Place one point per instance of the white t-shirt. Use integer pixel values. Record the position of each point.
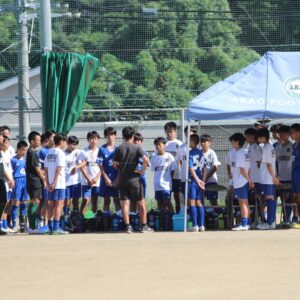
(71, 162)
(229, 162)
(92, 167)
(284, 155)
(162, 166)
(182, 157)
(211, 160)
(56, 158)
(173, 147)
(255, 155)
(268, 156)
(12, 151)
(240, 159)
(6, 158)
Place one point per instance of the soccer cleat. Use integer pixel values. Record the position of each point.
(295, 226)
(128, 229)
(40, 230)
(265, 226)
(201, 228)
(146, 229)
(59, 231)
(194, 229)
(241, 228)
(12, 230)
(3, 231)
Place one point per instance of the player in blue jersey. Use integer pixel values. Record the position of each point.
(295, 134)
(19, 195)
(196, 184)
(108, 172)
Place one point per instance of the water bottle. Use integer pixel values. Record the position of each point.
(115, 223)
(157, 225)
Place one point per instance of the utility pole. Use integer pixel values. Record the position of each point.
(45, 25)
(23, 74)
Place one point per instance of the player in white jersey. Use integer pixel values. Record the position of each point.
(163, 165)
(284, 157)
(7, 132)
(268, 178)
(240, 165)
(172, 147)
(55, 163)
(255, 155)
(211, 167)
(73, 186)
(90, 172)
(9, 182)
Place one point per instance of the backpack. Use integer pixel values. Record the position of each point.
(77, 222)
(103, 221)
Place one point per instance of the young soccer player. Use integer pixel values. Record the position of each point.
(172, 147)
(9, 183)
(295, 134)
(90, 172)
(2, 184)
(55, 163)
(108, 172)
(284, 155)
(211, 167)
(268, 178)
(7, 132)
(19, 193)
(35, 181)
(196, 185)
(72, 172)
(163, 165)
(241, 178)
(255, 155)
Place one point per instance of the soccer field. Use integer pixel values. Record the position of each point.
(210, 265)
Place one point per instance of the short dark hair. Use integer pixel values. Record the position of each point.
(21, 144)
(59, 137)
(170, 125)
(32, 135)
(72, 139)
(92, 134)
(48, 134)
(263, 132)
(275, 127)
(127, 133)
(205, 138)
(138, 137)
(195, 138)
(296, 127)
(284, 129)
(43, 138)
(109, 131)
(159, 140)
(251, 131)
(5, 127)
(238, 137)
(193, 129)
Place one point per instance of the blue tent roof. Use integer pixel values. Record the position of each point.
(268, 88)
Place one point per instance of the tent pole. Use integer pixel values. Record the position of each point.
(187, 175)
(182, 113)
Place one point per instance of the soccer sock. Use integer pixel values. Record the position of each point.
(244, 221)
(66, 211)
(200, 216)
(32, 214)
(271, 211)
(14, 215)
(50, 225)
(55, 224)
(23, 211)
(298, 210)
(193, 212)
(4, 224)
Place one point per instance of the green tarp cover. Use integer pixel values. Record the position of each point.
(65, 81)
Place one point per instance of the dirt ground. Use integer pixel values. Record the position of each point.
(210, 265)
